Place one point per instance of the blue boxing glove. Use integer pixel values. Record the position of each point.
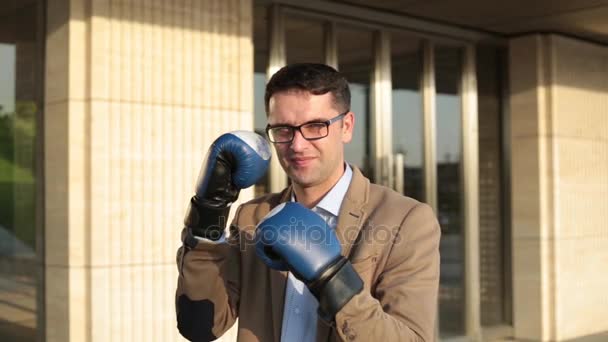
(293, 237)
(235, 161)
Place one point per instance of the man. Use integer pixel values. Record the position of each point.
(390, 241)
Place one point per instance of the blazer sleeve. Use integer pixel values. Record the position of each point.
(404, 304)
(208, 285)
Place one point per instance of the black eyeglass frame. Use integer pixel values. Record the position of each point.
(299, 128)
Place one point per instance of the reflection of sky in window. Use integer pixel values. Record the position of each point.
(355, 151)
(407, 126)
(448, 128)
(259, 112)
(7, 77)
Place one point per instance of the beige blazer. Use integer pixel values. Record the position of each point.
(391, 240)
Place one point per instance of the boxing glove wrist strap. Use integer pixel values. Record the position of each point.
(337, 290)
(205, 221)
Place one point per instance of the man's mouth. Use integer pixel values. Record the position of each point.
(301, 161)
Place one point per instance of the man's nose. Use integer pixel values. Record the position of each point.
(298, 143)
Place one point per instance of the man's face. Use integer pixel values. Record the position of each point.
(310, 163)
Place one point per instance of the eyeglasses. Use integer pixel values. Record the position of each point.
(310, 130)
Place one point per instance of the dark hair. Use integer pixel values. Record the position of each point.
(318, 79)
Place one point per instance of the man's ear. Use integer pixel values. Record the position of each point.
(348, 125)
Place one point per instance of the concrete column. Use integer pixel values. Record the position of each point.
(135, 93)
(559, 143)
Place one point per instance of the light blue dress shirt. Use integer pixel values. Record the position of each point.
(300, 308)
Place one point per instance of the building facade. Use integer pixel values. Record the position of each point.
(495, 115)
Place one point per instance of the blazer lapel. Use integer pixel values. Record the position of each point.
(278, 281)
(352, 212)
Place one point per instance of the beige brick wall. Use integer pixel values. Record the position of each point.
(559, 110)
(135, 92)
(580, 107)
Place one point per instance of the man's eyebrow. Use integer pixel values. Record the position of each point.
(316, 120)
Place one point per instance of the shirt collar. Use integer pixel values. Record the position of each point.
(332, 201)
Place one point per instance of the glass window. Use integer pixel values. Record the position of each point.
(492, 235)
(448, 72)
(408, 129)
(355, 57)
(20, 99)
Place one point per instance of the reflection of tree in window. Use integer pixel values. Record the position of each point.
(21, 61)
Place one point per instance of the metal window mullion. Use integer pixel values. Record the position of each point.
(330, 38)
(40, 246)
(470, 181)
(381, 110)
(427, 86)
(429, 122)
(276, 60)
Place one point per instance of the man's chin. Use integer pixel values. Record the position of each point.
(302, 177)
